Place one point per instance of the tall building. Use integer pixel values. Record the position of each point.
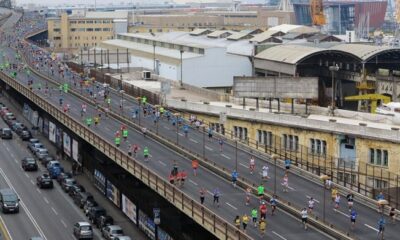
(84, 30)
(342, 15)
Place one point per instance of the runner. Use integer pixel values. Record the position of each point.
(252, 165)
(125, 134)
(334, 192)
(221, 143)
(304, 216)
(381, 227)
(210, 133)
(144, 131)
(129, 151)
(234, 177)
(262, 226)
(379, 198)
(260, 191)
(117, 141)
(202, 195)
(186, 130)
(236, 221)
(311, 204)
(146, 153)
(254, 215)
(263, 210)
(287, 164)
(350, 201)
(135, 149)
(216, 195)
(392, 215)
(337, 202)
(96, 121)
(353, 217)
(273, 201)
(88, 121)
(248, 195)
(285, 183)
(265, 172)
(245, 221)
(195, 165)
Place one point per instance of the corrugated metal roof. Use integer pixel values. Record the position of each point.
(239, 35)
(262, 37)
(218, 33)
(290, 54)
(362, 51)
(171, 53)
(115, 14)
(290, 28)
(199, 31)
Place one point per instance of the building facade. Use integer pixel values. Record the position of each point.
(84, 31)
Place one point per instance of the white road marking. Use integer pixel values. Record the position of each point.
(208, 148)
(45, 199)
(314, 199)
(292, 188)
(28, 213)
(26, 175)
(344, 214)
(244, 165)
(38, 190)
(12, 155)
(227, 157)
(63, 223)
(55, 212)
(192, 140)
(32, 182)
(368, 226)
(210, 193)
(7, 149)
(5, 226)
(278, 235)
(162, 163)
(230, 205)
(181, 134)
(15, 160)
(194, 183)
(166, 127)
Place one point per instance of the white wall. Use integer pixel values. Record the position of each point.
(166, 70)
(215, 69)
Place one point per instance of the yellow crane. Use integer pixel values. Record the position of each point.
(371, 101)
(317, 12)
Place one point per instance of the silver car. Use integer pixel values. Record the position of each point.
(112, 231)
(42, 153)
(83, 230)
(123, 238)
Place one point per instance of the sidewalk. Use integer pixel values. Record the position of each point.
(119, 217)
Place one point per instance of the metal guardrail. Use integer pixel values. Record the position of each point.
(202, 215)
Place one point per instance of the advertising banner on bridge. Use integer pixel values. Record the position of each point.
(113, 194)
(67, 144)
(52, 132)
(99, 181)
(46, 127)
(59, 138)
(147, 225)
(75, 150)
(129, 208)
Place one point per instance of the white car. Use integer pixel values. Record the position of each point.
(112, 231)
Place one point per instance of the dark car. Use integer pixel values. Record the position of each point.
(81, 198)
(44, 181)
(6, 133)
(46, 160)
(5, 114)
(35, 146)
(9, 200)
(88, 205)
(103, 221)
(17, 127)
(67, 183)
(96, 212)
(25, 135)
(10, 119)
(75, 189)
(29, 164)
(62, 176)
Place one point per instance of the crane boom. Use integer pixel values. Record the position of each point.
(317, 12)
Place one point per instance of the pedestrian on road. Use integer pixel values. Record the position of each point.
(117, 141)
(129, 151)
(195, 166)
(260, 191)
(221, 144)
(237, 222)
(202, 195)
(88, 121)
(263, 209)
(273, 201)
(234, 177)
(311, 203)
(380, 197)
(381, 227)
(135, 148)
(254, 216)
(337, 202)
(210, 133)
(353, 217)
(252, 165)
(146, 153)
(350, 201)
(334, 192)
(216, 195)
(265, 172)
(287, 164)
(96, 121)
(392, 215)
(245, 221)
(144, 131)
(304, 216)
(285, 183)
(262, 226)
(248, 195)
(125, 134)
(186, 130)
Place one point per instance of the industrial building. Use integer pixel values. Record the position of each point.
(344, 15)
(84, 29)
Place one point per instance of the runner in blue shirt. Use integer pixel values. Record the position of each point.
(353, 217)
(186, 130)
(273, 201)
(234, 177)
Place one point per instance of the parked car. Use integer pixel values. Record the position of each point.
(42, 153)
(25, 135)
(54, 163)
(88, 205)
(6, 114)
(67, 183)
(103, 221)
(75, 189)
(17, 126)
(81, 198)
(44, 181)
(83, 230)
(63, 175)
(46, 160)
(34, 146)
(6, 133)
(10, 119)
(36, 238)
(96, 212)
(29, 164)
(122, 238)
(9, 201)
(112, 231)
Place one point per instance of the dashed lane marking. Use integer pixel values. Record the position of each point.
(230, 205)
(32, 182)
(26, 175)
(181, 134)
(194, 183)
(227, 157)
(344, 214)
(243, 165)
(208, 148)
(38, 190)
(63, 223)
(192, 140)
(278, 235)
(45, 199)
(370, 227)
(55, 212)
(162, 163)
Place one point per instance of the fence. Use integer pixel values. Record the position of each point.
(202, 215)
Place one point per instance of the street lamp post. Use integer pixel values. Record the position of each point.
(236, 155)
(333, 69)
(323, 178)
(204, 140)
(181, 82)
(122, 102)
(274, 156)
(154, 57)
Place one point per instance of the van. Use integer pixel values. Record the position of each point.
(9, 201)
